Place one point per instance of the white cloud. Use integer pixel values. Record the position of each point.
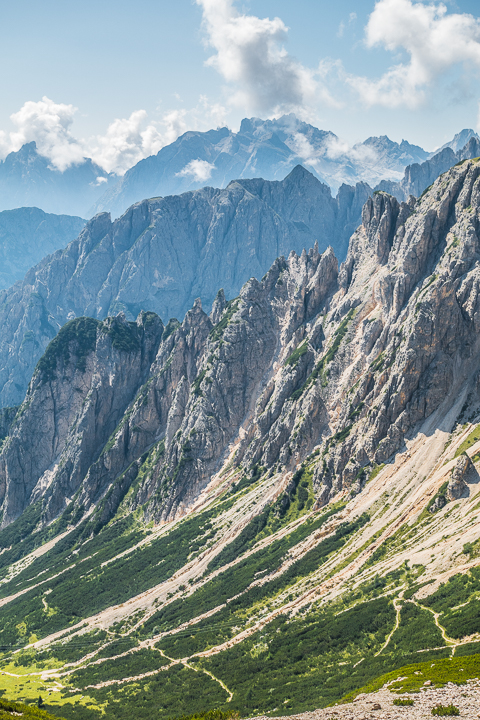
(48, 124)
(126, 141)
(200, 170)
(251, 57)
(434, 40)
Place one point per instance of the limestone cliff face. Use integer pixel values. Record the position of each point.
(163, 253)
(340, 365)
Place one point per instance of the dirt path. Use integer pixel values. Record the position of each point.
(397, 604)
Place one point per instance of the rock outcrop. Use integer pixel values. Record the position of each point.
(456, 484)
(81, 388)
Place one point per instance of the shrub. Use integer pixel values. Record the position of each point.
(445, 710)
(297, 354)
(403, 702)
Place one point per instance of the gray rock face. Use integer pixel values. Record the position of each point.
(27, 235)
(27, 179)
(337, 365)
(457, 485)
(262, 148)
(164, 253)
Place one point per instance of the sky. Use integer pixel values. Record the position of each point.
(118, 80)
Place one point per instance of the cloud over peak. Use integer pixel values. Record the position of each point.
(125, 142)
(48, 124)
(199, 170)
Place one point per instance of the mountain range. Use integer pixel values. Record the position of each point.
(29, 235)
(269, 149)
(418, 177)
(261, 148)
(265, 508)
(164, 253)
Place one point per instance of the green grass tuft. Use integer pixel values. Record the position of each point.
(13, 710)
(445, 710)
(470, 440)
(411, 678)
(297, 354)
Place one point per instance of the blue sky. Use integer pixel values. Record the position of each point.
(405, 68)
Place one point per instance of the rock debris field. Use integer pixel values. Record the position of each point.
(379, 705)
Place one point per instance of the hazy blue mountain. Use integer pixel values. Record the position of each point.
(27, 179)
(269, 149)
(459, 141)
(262, 148)
(164, 253)
(27, 235)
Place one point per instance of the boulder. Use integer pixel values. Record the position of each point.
(456, 484)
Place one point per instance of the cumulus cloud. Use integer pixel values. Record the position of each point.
(126, 141)
(250, 56)
(434, 40)
(48, 124)
(200, 170)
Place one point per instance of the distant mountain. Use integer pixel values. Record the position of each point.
(459, 141)
(164, 253)
(27, 179)
(262, 148)
(27, 235)
(391, 155)
(269, 149)
(418, 178)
